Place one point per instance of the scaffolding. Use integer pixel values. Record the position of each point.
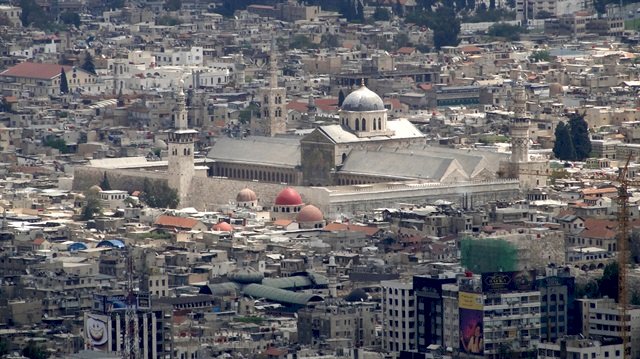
(488, 255)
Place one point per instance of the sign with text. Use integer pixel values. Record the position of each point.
(501, 282)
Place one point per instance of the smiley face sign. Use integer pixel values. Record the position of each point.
(96, 330)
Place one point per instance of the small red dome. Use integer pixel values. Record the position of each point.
(288, 197)
(309, 213)
(223, 227)
(246, 195)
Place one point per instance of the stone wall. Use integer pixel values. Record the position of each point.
(126, 180)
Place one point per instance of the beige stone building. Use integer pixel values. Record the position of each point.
(44, 79)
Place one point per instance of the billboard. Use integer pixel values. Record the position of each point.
(97, 332)
(501, 282)
(471, 329)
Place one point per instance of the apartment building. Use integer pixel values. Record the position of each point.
(399, 317)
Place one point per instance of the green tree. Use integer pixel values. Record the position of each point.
(158, 194)
(104, 184)
(635, 298)
(167, 20)
(506, 31)
(446, 27)
(539, 56)
(56, 142)
(340, 98)
(580, 136)
(301, 42)
(608, 283)
(563, 148)
(329, 40)
(173, 5)
(401, 40)
(245, 114)
(398, 9)
(32, 14)
(5, 346)
(381, 14)
(33, 351)
(88, 64)
(64, 84)
(70, 18)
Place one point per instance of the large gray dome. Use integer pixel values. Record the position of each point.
(362, 99)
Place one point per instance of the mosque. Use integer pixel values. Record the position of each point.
(365, 161)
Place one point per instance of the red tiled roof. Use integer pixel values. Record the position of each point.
(406, 50)
(297, 106)
(327, 104)
(38, 241)
(283, 222)
(470, 49)
(176, 222)
(34, 70)
(273, 351)
(593, 191)
(599, 228)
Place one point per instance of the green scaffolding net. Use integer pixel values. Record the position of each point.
(488, 255)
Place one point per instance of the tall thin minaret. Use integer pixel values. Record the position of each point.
(272, 119)
(520, 126)
(181, 148)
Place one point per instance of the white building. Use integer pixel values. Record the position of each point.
(113, 198)
(580, 348)
(531, 9)
(399, 319)
(13, 13)
(601, 317)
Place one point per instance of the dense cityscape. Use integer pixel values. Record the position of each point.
(358, 179)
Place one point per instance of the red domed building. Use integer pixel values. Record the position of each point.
(247, 199)
(310, 217)
(287, 205)
(222, 227)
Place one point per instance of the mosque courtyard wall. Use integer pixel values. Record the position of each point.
(209, 193)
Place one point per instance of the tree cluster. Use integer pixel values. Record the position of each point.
(56, 142)
(158, 194)
(506, 31)
(540, 55)
(443, 22)
(607, 285)
(88, 64)
(572, 139)
(352, 10)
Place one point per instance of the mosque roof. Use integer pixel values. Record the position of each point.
(280, 295)
(309, 213)
(362, 100)
(246, 195)
(401, 129)
(288, 197)
(267, 151)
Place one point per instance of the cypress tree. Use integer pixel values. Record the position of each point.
(104, 184)
(340, 98)
(87, 64)
(64, 84)
(580, 136)
(563, 148)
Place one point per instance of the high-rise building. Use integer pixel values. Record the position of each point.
(181, 149)
(343, 324)
(601, 317)
(498, 313)
(106, 328)
(399, 316)
(557, 306)
(429, 310)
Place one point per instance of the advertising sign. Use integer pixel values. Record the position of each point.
(471, 329)
(96, 329)
(501, 282)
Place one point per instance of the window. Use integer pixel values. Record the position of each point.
(364, 124)
(357, 125)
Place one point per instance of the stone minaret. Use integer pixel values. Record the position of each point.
(519, 126)
(181, 148)
(272, 119)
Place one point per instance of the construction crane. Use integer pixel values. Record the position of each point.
(623, 251)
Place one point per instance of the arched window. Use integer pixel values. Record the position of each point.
(357, 124)
(375, 127)
(185, 151)
(364, 124)
(379, 123)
